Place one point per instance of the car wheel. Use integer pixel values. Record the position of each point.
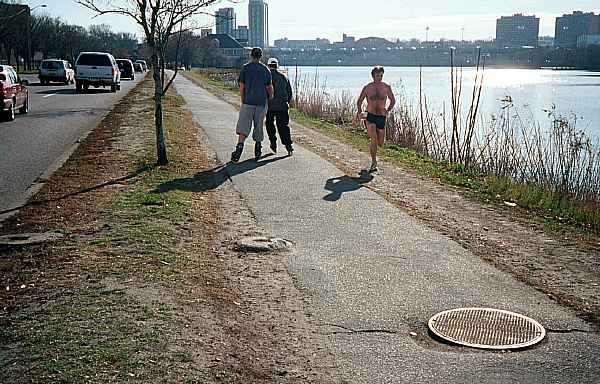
(118, 87)
(10, 115)
(86, 87)
(78, 87)
(113, 88)
(25, 108)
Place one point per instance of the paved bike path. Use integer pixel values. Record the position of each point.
(365, 265)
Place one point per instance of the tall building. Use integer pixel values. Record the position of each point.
(569, 27)
(517, 31)
(258, 16)
(225, 21)
(241, 34)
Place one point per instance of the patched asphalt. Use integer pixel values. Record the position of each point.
(366, 266)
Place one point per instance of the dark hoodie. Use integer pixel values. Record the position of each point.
(283, 92)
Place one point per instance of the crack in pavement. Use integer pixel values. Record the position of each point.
(356, 331)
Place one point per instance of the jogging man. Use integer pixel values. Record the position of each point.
(377, 93)
(256, 89)
(278, 108)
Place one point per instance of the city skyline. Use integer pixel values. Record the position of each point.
(403, 20)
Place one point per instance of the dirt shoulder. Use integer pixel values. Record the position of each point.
(147, 284)
(563, 265)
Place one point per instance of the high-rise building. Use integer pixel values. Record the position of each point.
(225, 21)
(569, 27)
(258, 17)
(517, 31)
(241, 34)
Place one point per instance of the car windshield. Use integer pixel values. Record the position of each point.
(96, 60)
(51, 64)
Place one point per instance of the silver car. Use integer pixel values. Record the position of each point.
(56, 70)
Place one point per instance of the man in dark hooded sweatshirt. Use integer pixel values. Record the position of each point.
(278, 108)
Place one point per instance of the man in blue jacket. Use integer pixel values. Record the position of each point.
(278, 108)
(256, 90)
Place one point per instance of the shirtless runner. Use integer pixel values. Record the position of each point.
(377, 93)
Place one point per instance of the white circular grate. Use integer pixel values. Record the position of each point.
(487, 328)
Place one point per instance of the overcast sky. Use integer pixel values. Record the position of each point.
(309, 19)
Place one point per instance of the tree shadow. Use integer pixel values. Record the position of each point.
(343, 184)
(127, 177)
(213, 178)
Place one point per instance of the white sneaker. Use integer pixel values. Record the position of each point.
(373, 167)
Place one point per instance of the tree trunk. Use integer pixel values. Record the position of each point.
(161, 148)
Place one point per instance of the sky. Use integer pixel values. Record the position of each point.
(310, 19)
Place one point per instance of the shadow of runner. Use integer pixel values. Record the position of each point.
(213, 178)
(341, 184)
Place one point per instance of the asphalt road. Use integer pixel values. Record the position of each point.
(36, 143)
(367, 266)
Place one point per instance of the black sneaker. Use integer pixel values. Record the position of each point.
(257, 150)
(273, 147)
(235, 155)
(289, 149)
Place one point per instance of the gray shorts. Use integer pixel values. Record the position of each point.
(251, 115)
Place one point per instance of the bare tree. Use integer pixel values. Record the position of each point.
(159, 19)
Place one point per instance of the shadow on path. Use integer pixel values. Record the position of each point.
(342, 184)
(213, 178)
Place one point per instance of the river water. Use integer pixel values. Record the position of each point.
(574, 94)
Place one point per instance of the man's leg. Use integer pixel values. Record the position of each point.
(283, 127)
(372, 132)
(258, 131)
(270, 124)
(243, 130)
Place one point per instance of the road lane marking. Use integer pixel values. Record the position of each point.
(52, 94)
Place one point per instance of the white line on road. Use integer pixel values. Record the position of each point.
(52, 94)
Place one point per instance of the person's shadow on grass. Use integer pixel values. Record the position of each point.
(342, 184)
(213, 178)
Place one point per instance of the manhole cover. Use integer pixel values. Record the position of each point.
(29, 238)
(487, 328)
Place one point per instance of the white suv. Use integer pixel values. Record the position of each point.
(98, 69)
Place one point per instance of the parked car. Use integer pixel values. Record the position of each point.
(13, 93)
(144, 65)
(138, 67)
(126, 68)
(98, 69)
(56, 70)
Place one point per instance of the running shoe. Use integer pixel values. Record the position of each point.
(373, 167)
(257, 150)
(235, 155)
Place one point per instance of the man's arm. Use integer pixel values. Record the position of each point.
(361, 98)
(242, 91)
(392, 99)
(270, 91)
(242, 82)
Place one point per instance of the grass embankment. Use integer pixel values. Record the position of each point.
(557, 212)
(114, 301)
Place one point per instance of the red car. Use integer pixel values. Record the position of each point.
(13, 93)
